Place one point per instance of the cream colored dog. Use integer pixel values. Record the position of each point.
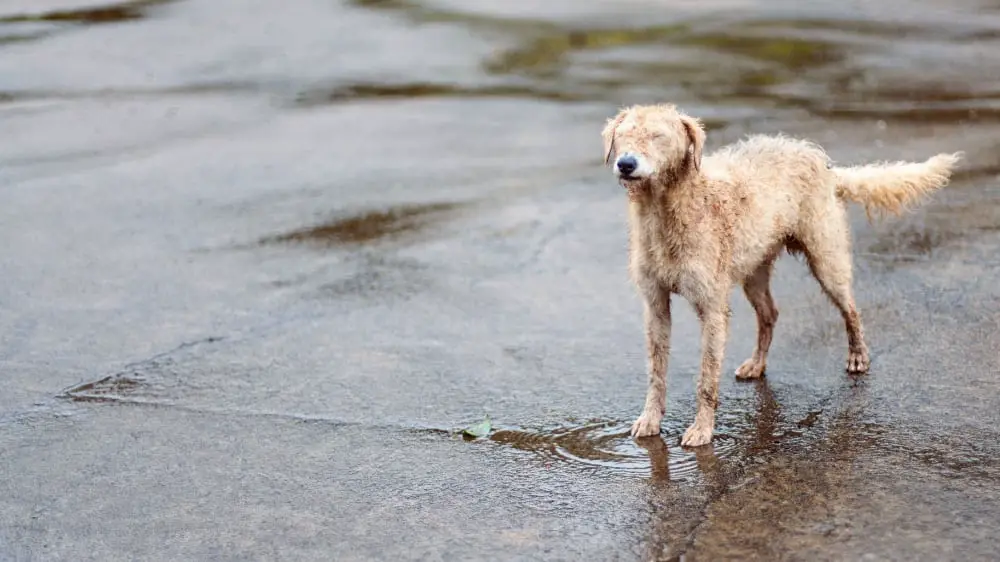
(700, 226)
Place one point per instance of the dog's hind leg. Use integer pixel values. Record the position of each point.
(828, 251)
(758, 291)
(657, 317)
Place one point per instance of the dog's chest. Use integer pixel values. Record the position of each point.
(676, 263)
(689, 282)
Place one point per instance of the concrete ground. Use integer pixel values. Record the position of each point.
(261, 264)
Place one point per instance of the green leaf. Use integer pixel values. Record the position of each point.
(480, 429)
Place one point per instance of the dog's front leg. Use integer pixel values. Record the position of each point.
(657, 317)
(714, 326)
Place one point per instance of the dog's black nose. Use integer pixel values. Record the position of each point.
(627, 165)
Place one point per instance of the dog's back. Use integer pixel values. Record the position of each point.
(781, 186)
(778, 167)
(774, 184)
(775, 166)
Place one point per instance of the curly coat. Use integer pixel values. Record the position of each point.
(699, 226)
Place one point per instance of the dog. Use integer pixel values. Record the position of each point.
(698, 226)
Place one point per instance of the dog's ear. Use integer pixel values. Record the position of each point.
(696, 138)
(608, 134)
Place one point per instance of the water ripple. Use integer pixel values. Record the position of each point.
(606, 446)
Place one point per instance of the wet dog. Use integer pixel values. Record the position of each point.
(699, 226)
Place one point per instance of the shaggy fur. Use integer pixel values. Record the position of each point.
(700, 226)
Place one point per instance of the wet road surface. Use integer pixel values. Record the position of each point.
(260, 265)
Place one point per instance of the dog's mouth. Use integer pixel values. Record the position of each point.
(632, 184)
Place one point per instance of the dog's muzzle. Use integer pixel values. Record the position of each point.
(626, 165)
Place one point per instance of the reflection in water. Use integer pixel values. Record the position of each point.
(744, 434)
(606, 446)
(659, 457)
(671, 533)
(371, 226)
(772, 481)
(767, 419)
(705, 457)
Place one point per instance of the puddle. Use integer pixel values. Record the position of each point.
(748, 60)
(606, 446)
(899, 112)
(110, 95)
(416, 90)
(111, 13)
(750, 428)
(548, 55)
(878, 29)
(370, 226)
(789, 52)
(545, 50)
(420, 13)
(855, 96)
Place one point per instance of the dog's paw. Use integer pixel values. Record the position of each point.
(750, 369)
(647, 424)
(858, 361)
(697, 435)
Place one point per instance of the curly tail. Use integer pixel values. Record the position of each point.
(894, 187)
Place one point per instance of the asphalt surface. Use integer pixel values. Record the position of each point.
(261, 264)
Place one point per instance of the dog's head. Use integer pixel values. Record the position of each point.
(646, 143)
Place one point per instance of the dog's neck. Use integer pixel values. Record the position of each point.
(667, 190)
(670, 177)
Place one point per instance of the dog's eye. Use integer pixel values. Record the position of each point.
(657, 136)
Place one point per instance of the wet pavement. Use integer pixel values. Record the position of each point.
(261, 264)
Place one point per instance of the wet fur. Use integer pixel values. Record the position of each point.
(699, 226)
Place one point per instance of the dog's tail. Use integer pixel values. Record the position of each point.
(894, 187)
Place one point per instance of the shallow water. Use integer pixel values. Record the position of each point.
(262, 265)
